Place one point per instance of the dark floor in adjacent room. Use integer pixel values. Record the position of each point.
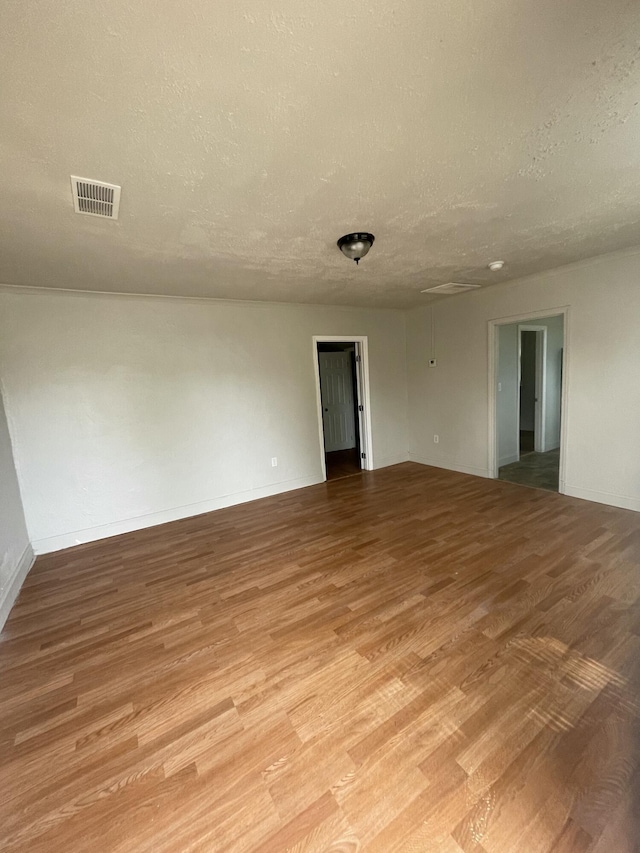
(527, 441)
(540, 470)
(407, 660)
(342, 463)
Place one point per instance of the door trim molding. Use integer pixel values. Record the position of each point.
(362, 392)
(492, 377)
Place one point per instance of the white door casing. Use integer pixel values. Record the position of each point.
(338, 412)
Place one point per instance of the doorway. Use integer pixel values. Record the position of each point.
(342, 381)
(532, 358)
(527, 416)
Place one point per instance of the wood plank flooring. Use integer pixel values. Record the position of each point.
(408, 660)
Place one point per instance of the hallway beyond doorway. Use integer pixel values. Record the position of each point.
(539, 470)
(342, 463)
(526, 407)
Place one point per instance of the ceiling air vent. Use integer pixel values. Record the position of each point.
(95, 198)
(451, 287)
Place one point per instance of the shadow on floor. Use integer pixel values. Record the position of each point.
(540, 470)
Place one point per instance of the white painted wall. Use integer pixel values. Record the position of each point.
(128, 411)
(507, 392)
(16, 556)
(555, 345)
(603, 414)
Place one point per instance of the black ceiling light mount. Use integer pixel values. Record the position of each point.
(355, 246)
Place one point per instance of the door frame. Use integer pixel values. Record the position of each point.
(492, 376)
(540, 409)
(362, 394)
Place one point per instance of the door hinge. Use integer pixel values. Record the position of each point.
(361, 408)
(358, 358)
(363, 456)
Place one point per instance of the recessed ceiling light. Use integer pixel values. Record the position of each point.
(496, 266)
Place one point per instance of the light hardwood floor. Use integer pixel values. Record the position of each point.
(407, 660)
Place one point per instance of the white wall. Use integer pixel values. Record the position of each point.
(603, 345)
(129, 411)
(553, 378)
(16, 556)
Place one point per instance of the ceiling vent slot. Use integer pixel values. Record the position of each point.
(451, 287)
(95, 198)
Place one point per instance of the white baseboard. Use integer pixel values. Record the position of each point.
(507, 460)
(9, 593)
(92, 534)
(387, 461)
(622, 501)
(451, 465)
(609, 498)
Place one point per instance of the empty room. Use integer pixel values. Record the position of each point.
(320, 427)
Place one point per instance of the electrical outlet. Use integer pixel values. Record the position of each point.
(436, 439)
(433, 362)
(274, 461)
(499, 386)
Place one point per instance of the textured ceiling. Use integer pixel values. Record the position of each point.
(249, 135)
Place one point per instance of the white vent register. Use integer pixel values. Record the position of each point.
(95, 198)
(451, 287)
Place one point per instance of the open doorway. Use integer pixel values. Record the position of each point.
(533, 381)
(340, 421)
(528, 401)
(342, 398)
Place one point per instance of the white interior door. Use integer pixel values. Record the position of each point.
(336, 389)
